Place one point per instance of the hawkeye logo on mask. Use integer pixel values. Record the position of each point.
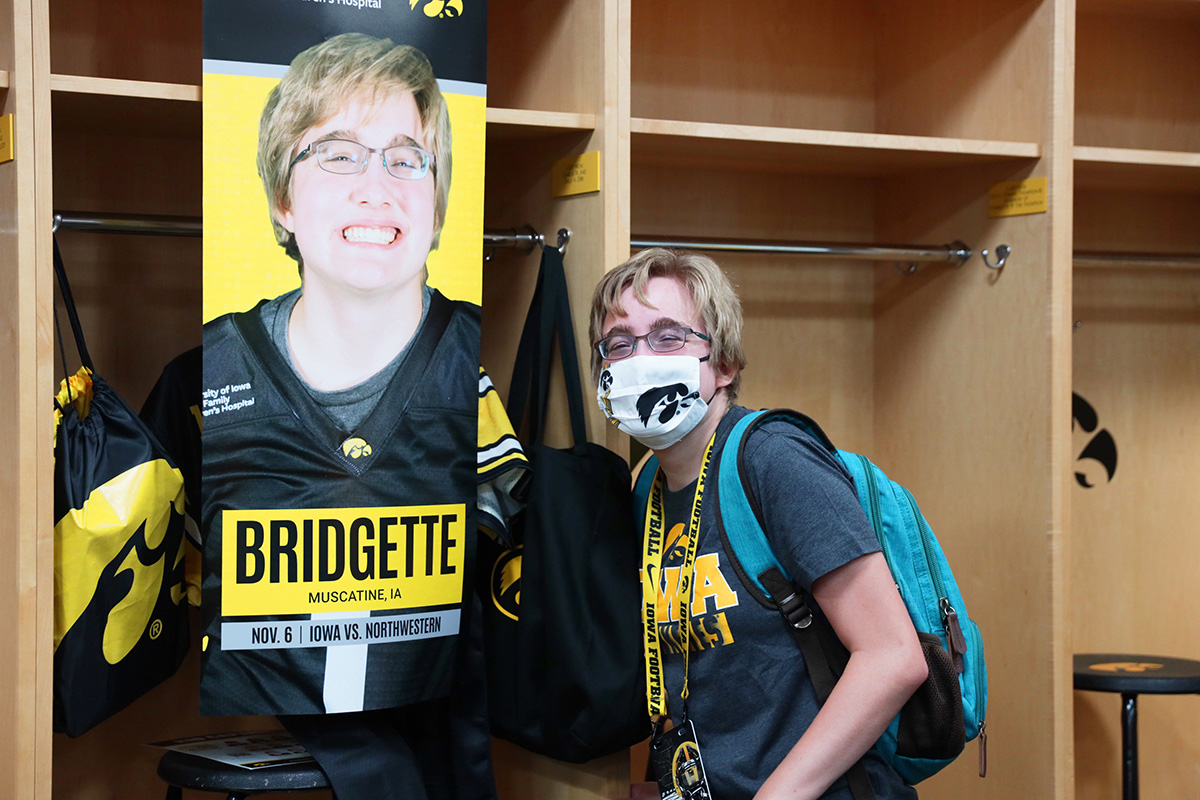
(303, 561)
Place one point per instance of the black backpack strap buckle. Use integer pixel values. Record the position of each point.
(787, 598)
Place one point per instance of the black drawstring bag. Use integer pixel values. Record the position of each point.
(562, 629)
(120, 623)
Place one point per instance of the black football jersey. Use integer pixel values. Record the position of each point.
(172, 411)
(335, 560)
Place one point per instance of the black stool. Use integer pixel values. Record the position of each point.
(185, 771)
(1132, 675)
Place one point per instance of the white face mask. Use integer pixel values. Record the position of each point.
(654, 399)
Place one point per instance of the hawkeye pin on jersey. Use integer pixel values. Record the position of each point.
(335, 560)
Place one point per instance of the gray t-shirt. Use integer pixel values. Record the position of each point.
(348, 407)
(750, 696)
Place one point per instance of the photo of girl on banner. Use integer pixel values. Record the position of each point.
(339, 414)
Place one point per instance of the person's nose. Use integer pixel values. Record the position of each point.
(373, 186)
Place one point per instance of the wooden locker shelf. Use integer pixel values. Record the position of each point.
(133, 107)
(117, 87)
(126, 39)
(675, 143)
(1158, 9)
(1136, 170)
(505, 124)
(547, 56)
(1135, 77)
(851, 66)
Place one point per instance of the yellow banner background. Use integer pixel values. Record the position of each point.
(242, 262)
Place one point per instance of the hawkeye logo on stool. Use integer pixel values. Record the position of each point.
(1126, 666)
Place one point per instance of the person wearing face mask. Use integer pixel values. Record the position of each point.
(667, 362)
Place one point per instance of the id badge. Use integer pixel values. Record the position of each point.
(675, 755)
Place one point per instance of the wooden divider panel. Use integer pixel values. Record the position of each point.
(964, 412)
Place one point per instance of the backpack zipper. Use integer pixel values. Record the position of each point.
(982, 749)
(980, 706)
(950, 624)
(876, 513)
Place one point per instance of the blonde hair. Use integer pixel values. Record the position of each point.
(322, 79)
(713, 297)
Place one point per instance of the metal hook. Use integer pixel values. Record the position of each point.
(909, 270)
(1003, 251)
(564, 237)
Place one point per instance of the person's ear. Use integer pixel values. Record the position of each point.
(285, 218)
(723, 375)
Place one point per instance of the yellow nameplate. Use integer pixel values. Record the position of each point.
(341, 559)
(576, 175)
(6, 138)
(1013, 198)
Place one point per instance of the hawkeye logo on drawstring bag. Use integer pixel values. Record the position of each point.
(106, 541)
(284, 562)
(120, 626)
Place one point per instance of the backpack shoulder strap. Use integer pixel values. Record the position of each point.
(739, 517)
(740, 522)
(641, 492)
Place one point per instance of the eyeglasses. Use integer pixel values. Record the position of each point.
(660, 340)
(344, 157)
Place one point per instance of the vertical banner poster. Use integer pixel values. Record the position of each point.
(343, 209)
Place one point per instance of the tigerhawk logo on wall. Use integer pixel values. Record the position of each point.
(1100, 449)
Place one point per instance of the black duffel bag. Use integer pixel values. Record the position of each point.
(561, 621)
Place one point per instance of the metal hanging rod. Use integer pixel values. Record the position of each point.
(1118, 260)
(525, 239)
(954, 253)
(154, 225)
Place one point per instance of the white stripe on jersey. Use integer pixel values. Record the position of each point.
(345, 670)
(501, 448)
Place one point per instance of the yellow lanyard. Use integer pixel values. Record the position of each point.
(652, 552)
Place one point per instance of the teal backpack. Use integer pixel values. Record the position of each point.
(948, 709)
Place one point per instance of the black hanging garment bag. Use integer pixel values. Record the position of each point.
(562, 626)
(120, 623)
